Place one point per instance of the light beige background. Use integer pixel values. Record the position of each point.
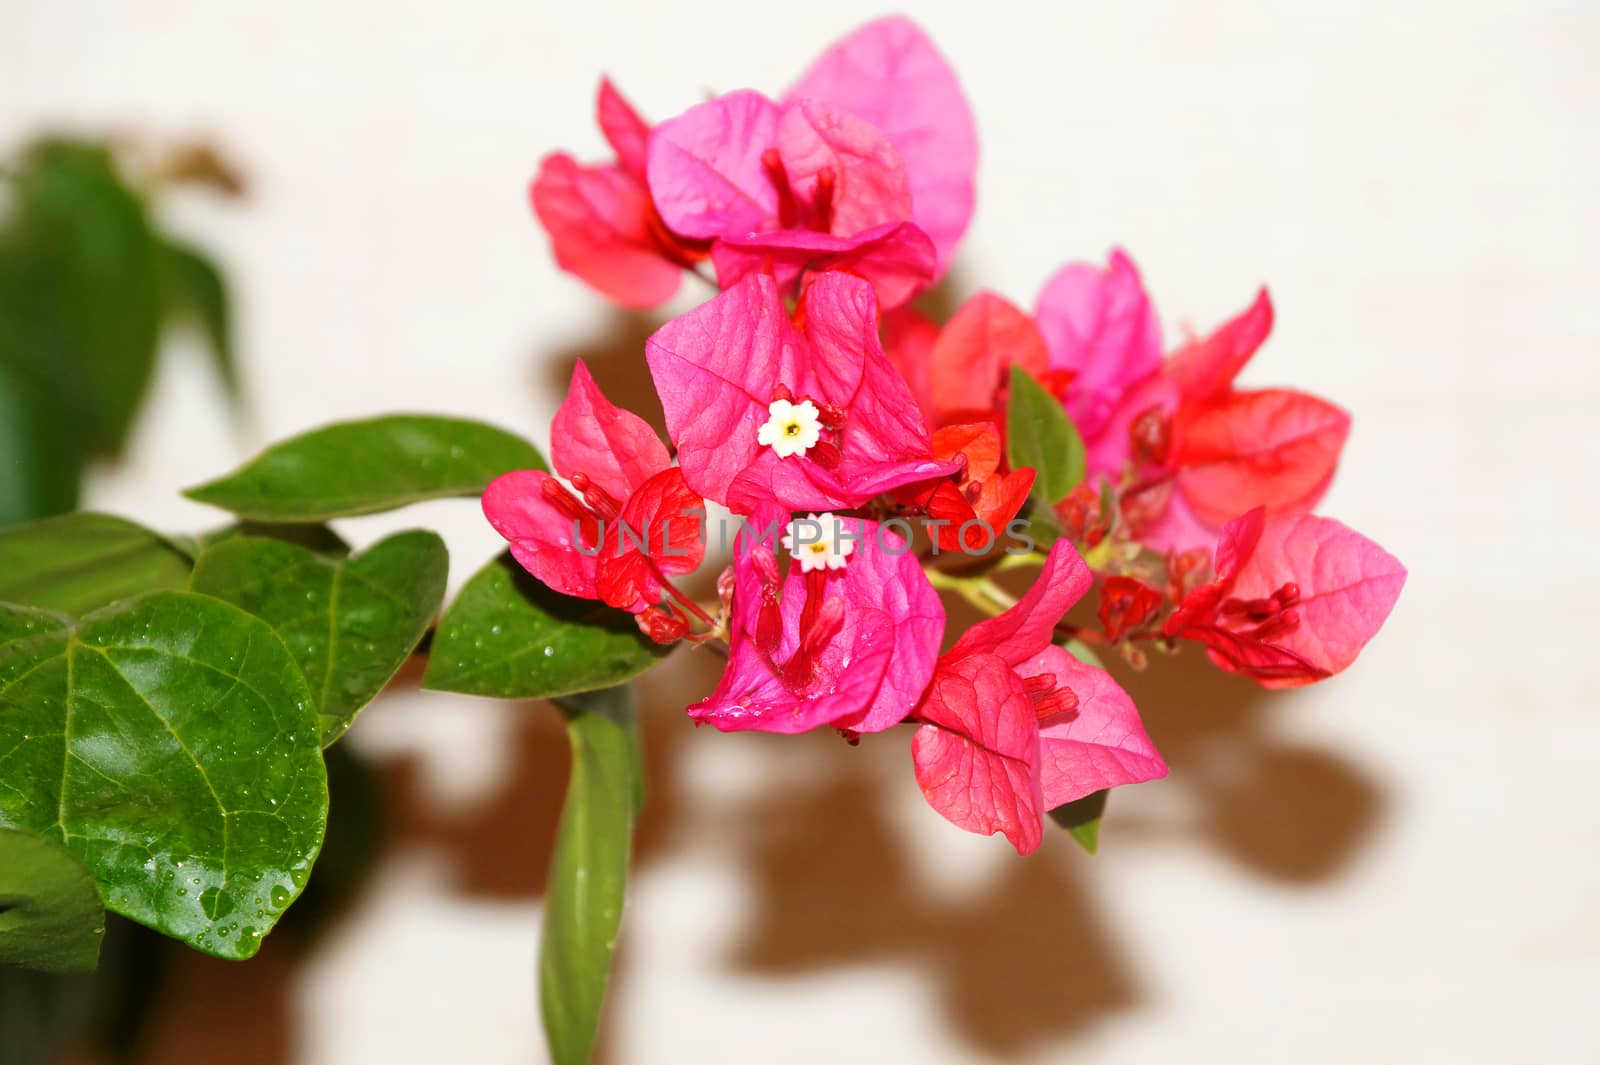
(1397, 866)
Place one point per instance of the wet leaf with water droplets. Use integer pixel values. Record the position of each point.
(510, 637)
(350, 622)
(169, 743)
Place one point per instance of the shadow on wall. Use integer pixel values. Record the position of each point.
(1026, 961)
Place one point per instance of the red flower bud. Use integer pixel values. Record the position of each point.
(661, 626)
(1126, 605)
(1150, 436)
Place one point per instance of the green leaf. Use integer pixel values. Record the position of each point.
(196, 289)
(369, 466)
(170, 743)
(41, 456)
(350, 622)
(80, 562)
(589, 871)
(51, 918)
(1039, 434)
(311, 536)
(510, 637)
(83, 278)
(1081, 818)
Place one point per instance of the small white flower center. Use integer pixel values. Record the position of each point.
(792, 428)
(819, 541)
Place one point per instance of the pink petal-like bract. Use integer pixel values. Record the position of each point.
(992, 762)
(1273, 448)
(705, 167)
(1100, 325)
(890, 74)
(1347, 585)
(869, 180)
(1101, 745)
(976, 757)
(615, 448)
(1019, 634)
(548, 543)
(598, 219)
(896, 258)
(717, 369)
(867, 677)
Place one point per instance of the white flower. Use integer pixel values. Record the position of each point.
(819, 541)
(792, 429)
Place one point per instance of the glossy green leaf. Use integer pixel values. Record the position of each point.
(1081, 819)
(589, 871)
(1039, 434)
(510, 637)
(368, 466)
(350, 622)
(51, 918)
(196, 290)
(80, 562)
(171, 744)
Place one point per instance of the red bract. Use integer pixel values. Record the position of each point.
(811, 417)
(1294, 599)
(631, 524)
(1201, 452)
(970, 363)
(1014, 725)
(960, 373)
(850, 644)
(970, 509)
(602, 225)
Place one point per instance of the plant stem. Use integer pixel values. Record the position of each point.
(980, 591)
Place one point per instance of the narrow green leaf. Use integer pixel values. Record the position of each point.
(170, 743)
(1039, 434)
(1081, 819)
(51, 918)
(81, 562)
(196, 289)
(510, 637)
(588, 873)
(350, 622)
(368, 466)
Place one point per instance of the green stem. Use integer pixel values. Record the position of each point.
(980, 591)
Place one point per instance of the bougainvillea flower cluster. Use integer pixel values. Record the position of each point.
(878, 460)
